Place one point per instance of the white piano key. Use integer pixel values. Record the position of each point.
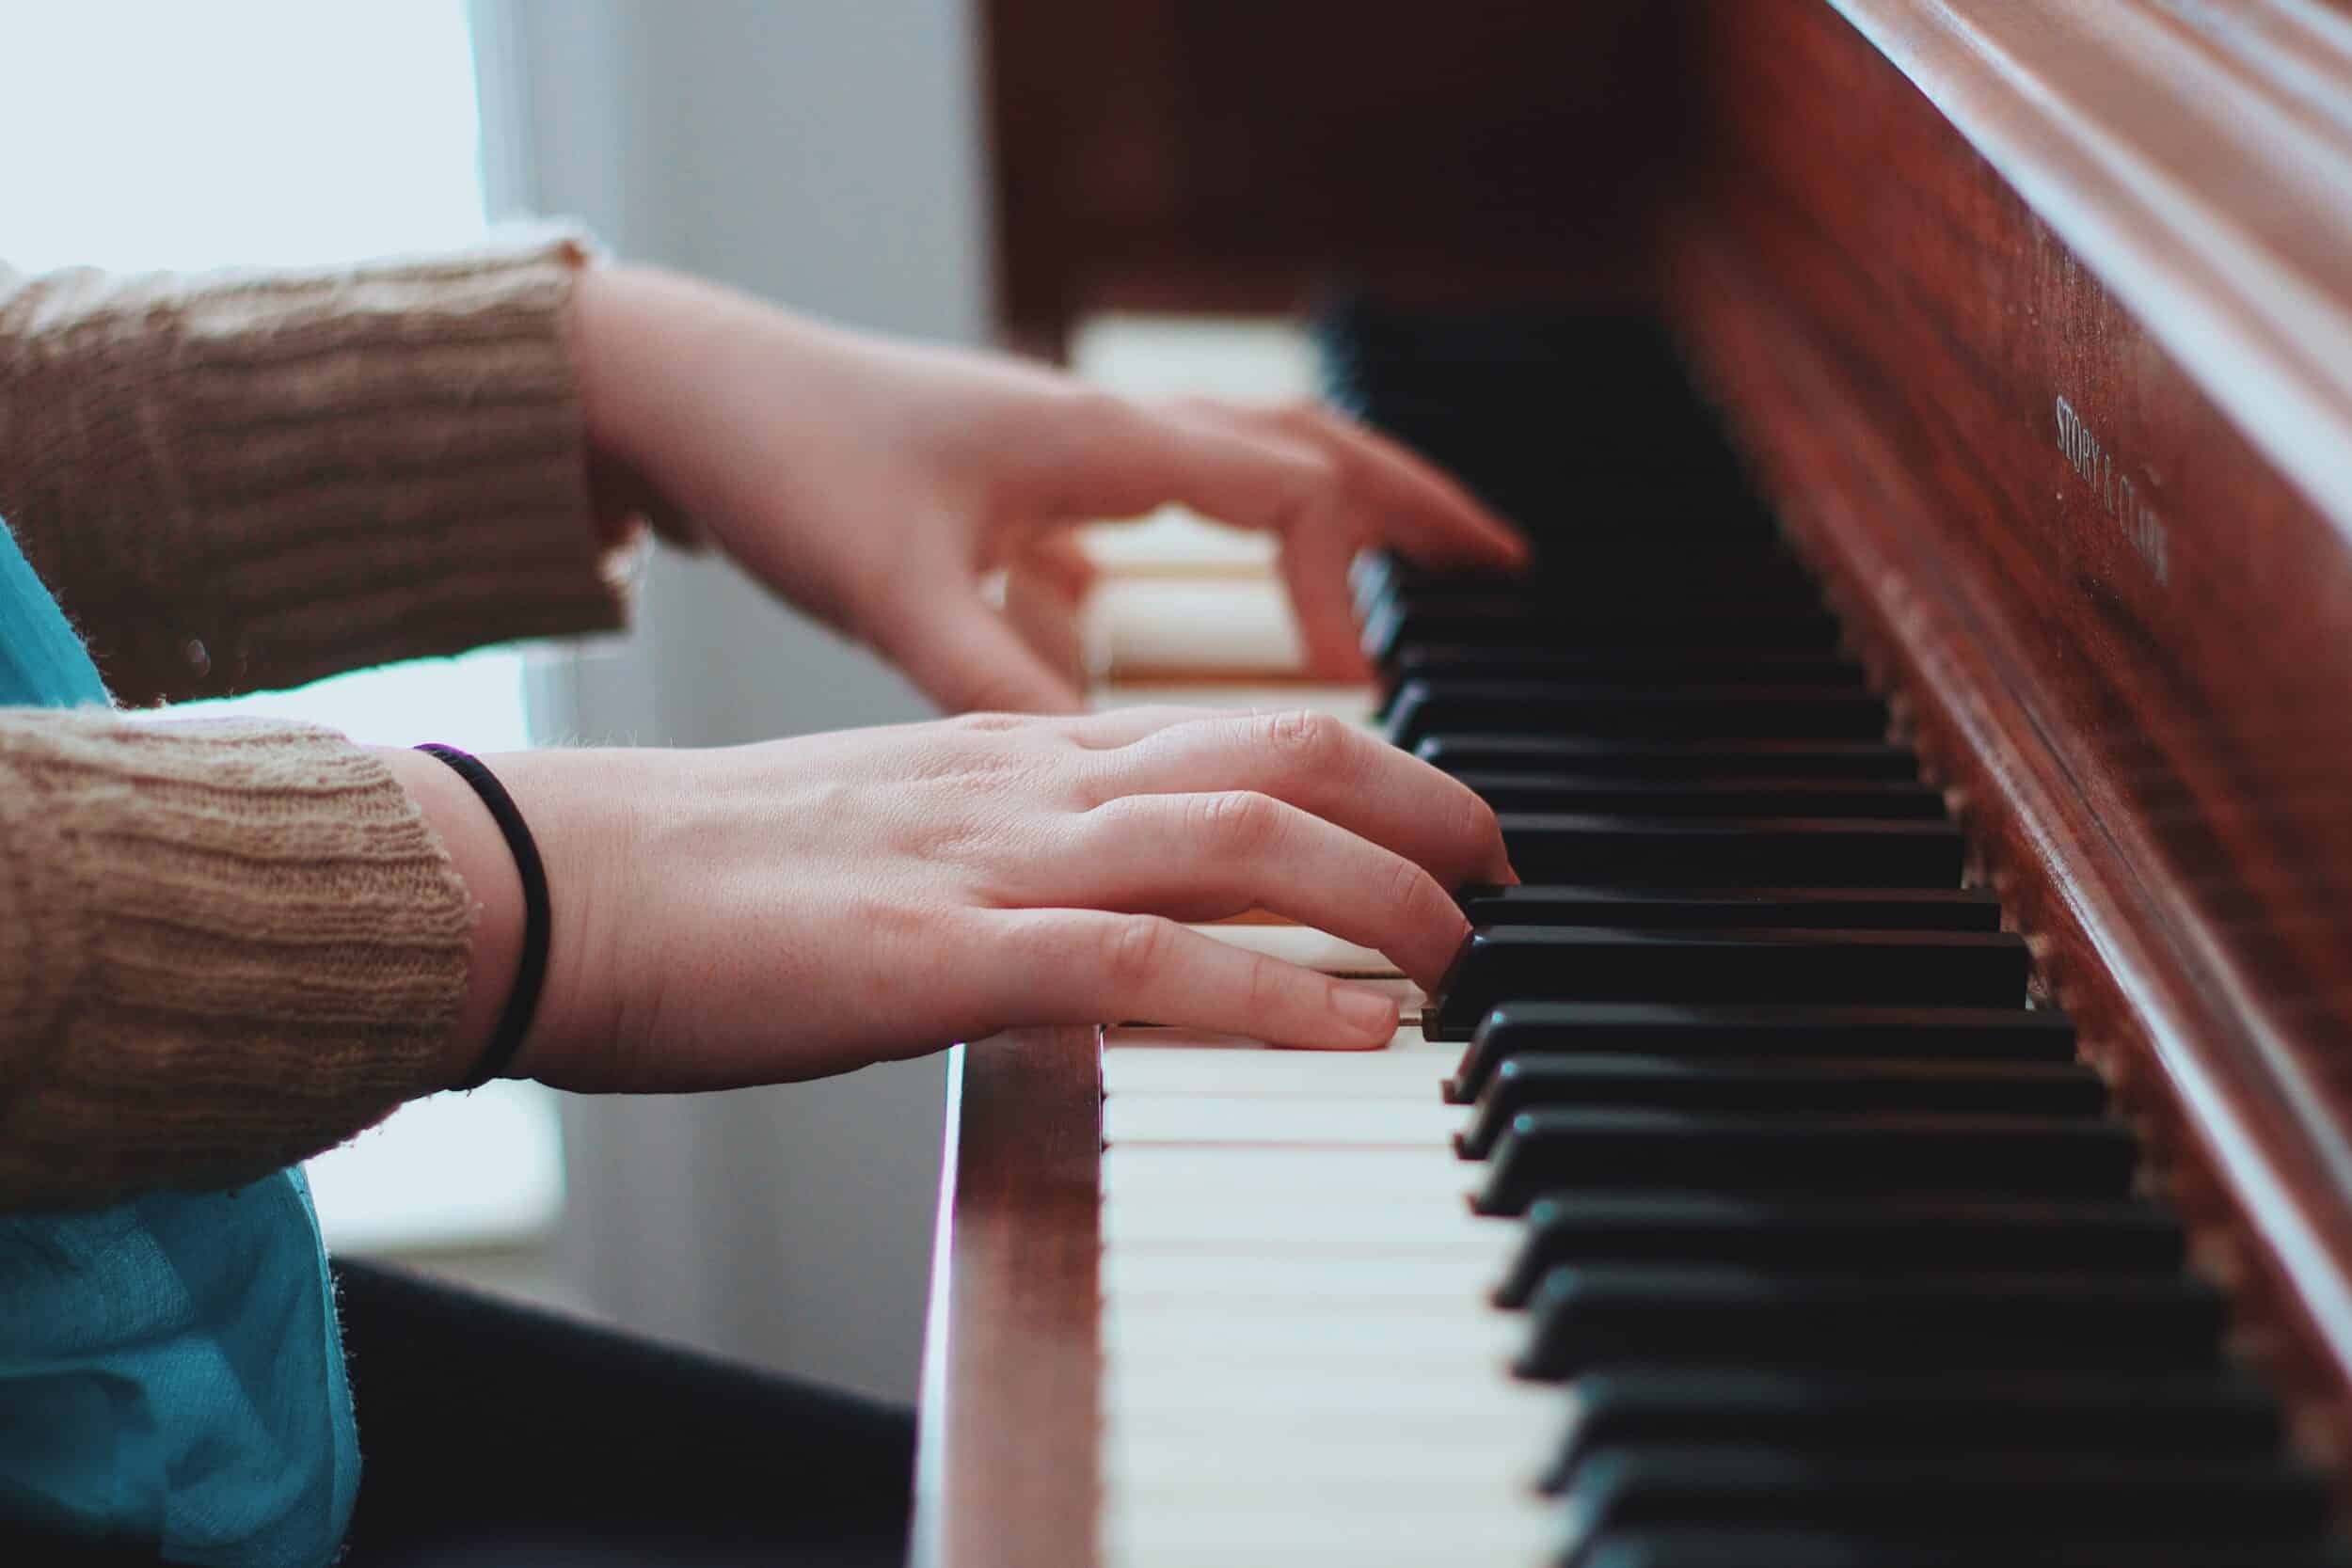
(1375, 1528)
(1463, 1447)
(1181, 1222)
(1300, 1362)
(1477, 1339)
(1174, 624)
(1292, 1075)
(1369, 1175)
(1189, 1397)
(1300, 945)
(1355, 704)
(1202, 1119)
(1346, 1283)
(1147, 1038)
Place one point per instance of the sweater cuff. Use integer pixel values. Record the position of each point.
(225, 946)
(244, 481)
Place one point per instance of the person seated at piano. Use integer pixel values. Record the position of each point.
(227, 944)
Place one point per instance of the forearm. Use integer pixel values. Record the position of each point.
(224, 946)
(246, 481)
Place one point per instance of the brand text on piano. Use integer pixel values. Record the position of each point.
(2143, 530)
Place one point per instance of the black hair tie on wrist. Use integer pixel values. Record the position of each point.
(532, 968)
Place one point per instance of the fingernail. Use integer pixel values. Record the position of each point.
(1367, 1012)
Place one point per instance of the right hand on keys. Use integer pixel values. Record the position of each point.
(805, 906)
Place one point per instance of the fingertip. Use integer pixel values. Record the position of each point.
(1367, 1015)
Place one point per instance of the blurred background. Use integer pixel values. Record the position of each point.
(827, 154)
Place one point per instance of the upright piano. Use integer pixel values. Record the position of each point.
(1904, 1117)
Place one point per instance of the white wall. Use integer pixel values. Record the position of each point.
(823, 152)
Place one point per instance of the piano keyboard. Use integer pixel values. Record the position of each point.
(1729, 1205)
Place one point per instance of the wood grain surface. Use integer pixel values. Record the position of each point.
(2120, 626)
(1005, 1464)
(1229, 155)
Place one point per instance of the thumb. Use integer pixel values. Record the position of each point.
(967, 657)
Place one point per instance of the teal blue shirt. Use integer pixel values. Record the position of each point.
(170, 1370)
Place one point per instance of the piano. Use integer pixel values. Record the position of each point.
(1905, 1117)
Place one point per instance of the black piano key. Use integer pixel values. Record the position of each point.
(1457, 752)
(1766, 1084)
(1745, 1546)
(1839, 1232)
(1634, 710)
(1946, 1499)
(1662, 570)
(1591, 963)
(1843, 909)
(1980, 1034)
(1667, 590)
(1695, 664)
(1709, 565)
(1558, 1151)
(1585, 1319)
(1661, 666)
(2211, 1412)
(1796, 622)
(1584, 795)
(1721, 851)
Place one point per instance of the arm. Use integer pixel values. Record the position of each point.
(224, 945)
(225, 949)
(256, 480)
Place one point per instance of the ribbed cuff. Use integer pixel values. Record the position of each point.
(248, 480)
(224, 945)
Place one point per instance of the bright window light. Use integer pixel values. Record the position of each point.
(244, 133)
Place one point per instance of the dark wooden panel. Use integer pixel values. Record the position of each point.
(1005, 1470)
(1230, 154)
(2120, 616)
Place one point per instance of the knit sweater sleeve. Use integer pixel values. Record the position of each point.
(225, 944)
(254, 480)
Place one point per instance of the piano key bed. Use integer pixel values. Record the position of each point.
(1732, 1202)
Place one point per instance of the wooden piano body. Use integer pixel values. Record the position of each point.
(2035, 323)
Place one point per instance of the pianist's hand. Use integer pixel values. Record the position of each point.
(810, 906)
(879, 485)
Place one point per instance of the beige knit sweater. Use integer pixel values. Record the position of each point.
(228, 945)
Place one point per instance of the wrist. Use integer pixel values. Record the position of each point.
(478, 852)
(635, 340)
(583, 835)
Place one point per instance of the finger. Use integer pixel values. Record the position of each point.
(1045, 617)
(967, 658)
(1065, 966)
(1058, 561)
(1324, 765)
(1136, 459)
(1203, 857)
(1405, 501)
(1314, 560)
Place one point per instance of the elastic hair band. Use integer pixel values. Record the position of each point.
(532, 968)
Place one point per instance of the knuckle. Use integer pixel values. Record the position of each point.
(1318, 478)
(1236, 823)
(1413, 892)
(1263, 985)
(1306, 742)
(995, 722)
(1089, 412)
(1135, 948)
